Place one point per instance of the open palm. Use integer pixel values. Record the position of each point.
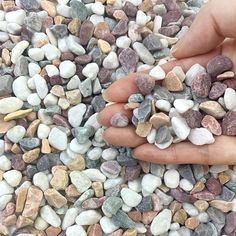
(211, 34)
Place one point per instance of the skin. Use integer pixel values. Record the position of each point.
(212, 33)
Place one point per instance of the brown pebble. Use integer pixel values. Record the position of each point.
(131, 105)
(58, 19)
(192, 223)
(175, 206)
(135, 216)
(53, 231)
(180, 216)
(224, 177)
(213, 108)
(9, 220)
(143, 129)
(23, 221)
(74, 26)
(145, 6)
(31, 155)
(71, 191)
(198, 187)
(60, 179)
(225, 75)
(104, 46)
(118, 232)
(120, 15)
(5, 126)
(20, 200)
(147, 217)
(54, 198)
(201, 205)
(172, 82)
(32, 128)
(101, 30)
(33, 201)
(159, 119)
(98, 189)
(212, 125)
(224, 206)
(130, 232)
(6, 57)
(16, 149)
(73, 96)
(9, 209)
(157, 202)
(94, 230)
(86, 32)
(45, 148)
(58, 91)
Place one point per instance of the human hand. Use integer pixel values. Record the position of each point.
(211, 34)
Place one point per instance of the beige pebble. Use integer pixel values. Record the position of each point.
(104, 46)
(213, 108)
(23, 221)
(53, 231)
(131, 105)
(170, 40)
(8, 5)
(130, 232)
(119, 15)
(17, 114)
(226, 75)
(74, 26)
(31, 130)
(145, 6)
(31, 155)
(143, 129)
(54, 198)
(159, 119)
(60, 179)
(135, 216)
(63, 103)
(178, 71)
(192, 223)
(33, 201)
(56, 62)
(5, 126)
(172, 82)
(58, 91)
(77, 164)
(180, 216)
(147, 217)
(9, 220)
(201, 205)
(98, 189)
(74, 96)
(198, 187)
(16, 149)
(20, 200)
(41, 43)
(58, 19)
(49, 7)
(222, 205)
(224, 177)
(6, 59)
(45, 148)
(175, 206)
(110, 2)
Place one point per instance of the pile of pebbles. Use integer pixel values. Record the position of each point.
(193, 106)
(57, 175)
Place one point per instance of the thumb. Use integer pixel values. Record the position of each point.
(211, 26)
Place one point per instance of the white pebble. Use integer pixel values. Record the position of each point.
(5, 188)
(185, 185)
(57, 139)
(230, 99)
(13, 177)
(157, 24)
(5, 163)
(130, 197)
(91, 70)
(2, 146)
(92, 121)
(17, 16)
(4, 200)
(111, 61)
(95, 153)
(36, 54)
(18, 50)
(150, 183)
(180, 127)
(126, 208)
(75, 230)
(40, 180)
(216, 169)
(190, 209)
(50, 100)
(4, 36)
(51, 70)
(123, 42)
(40, 223)
(157, 73)
(33, 70)
(164, 145)
(171, 178)
(193, 72)
(143, 53)
(63, 10)
(161, 223)
(80, 148)
(152, 136)
(34, 99)
(88, 217)
(74, 46)
(141, 18)
(67, 69)
(163, 105)
(75, 114)
(110, 154)
(201, 136)
(110, 183)
(107, 225)
(16, 133)
(20, 88)
(182, 105)
(41, 86)
(135, 185)
(203, 217)
(98, 8)
(95, 19)
(50, 216)
(69, 218)
(62, 45)
(94, 175)
(51, 52)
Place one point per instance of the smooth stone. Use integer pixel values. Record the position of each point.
(111, 169)
(88, 217)
(75, 114)
(57, 139)
(78, 10)
(201, 136)
(29, 143)
(119, 120)
(5, 188)
(172, 82)
(130, 197)
(122, 220)
(186, 172)
(163, 105)
(180, 127)
(230, 99)
(143, 53)
(228, 123)
(80, 180)
(51, 52)
(82, 134)
(13, 177)
(218, 65)
(75, 230)
(41, 86)
(212, 108)
(5, 163)
(111, 61)
(30, 5)
(163, 135)
(128, 59)
(6, 85)
(152, 42)
(123, 42)
(16, 133)
(67, 69)
(182, 105)
(69, 218)
(41, 180)
(157, 73)
(10, 104)
(150, 183)
(217, 90)
(193, 72)
(161, 223)
(86, 87)
(171, 178)
(50, 216)
(193, 118)
(20, 88)
(145, 84)
(143, 112)
(17, 17)
(161, 93)
(36, 54)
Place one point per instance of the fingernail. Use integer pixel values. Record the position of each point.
(104, 96)
(173, 50)
(98, 118)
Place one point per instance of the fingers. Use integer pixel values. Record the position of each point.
(211, 26)
(120, 90)
(125, 137)
(105, 115)
(221, 152)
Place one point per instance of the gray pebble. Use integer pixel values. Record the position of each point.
(78, 10)
(98, 103)
(163, 135)
(59, 31)
(29, 143)
(122, 220)
(30, 5)
(52, 110)
(5, 85)
(82, 134)
(161, 93)
(125, 160)
(21, 67)
(186, 172)
(143, 112)
(112, 205)
(226, 194)
(145, 205)
(113, 192)
(86, 87)
(33, 21)
(137, 97)
(152, 42)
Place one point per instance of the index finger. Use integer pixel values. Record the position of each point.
(120, 90)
